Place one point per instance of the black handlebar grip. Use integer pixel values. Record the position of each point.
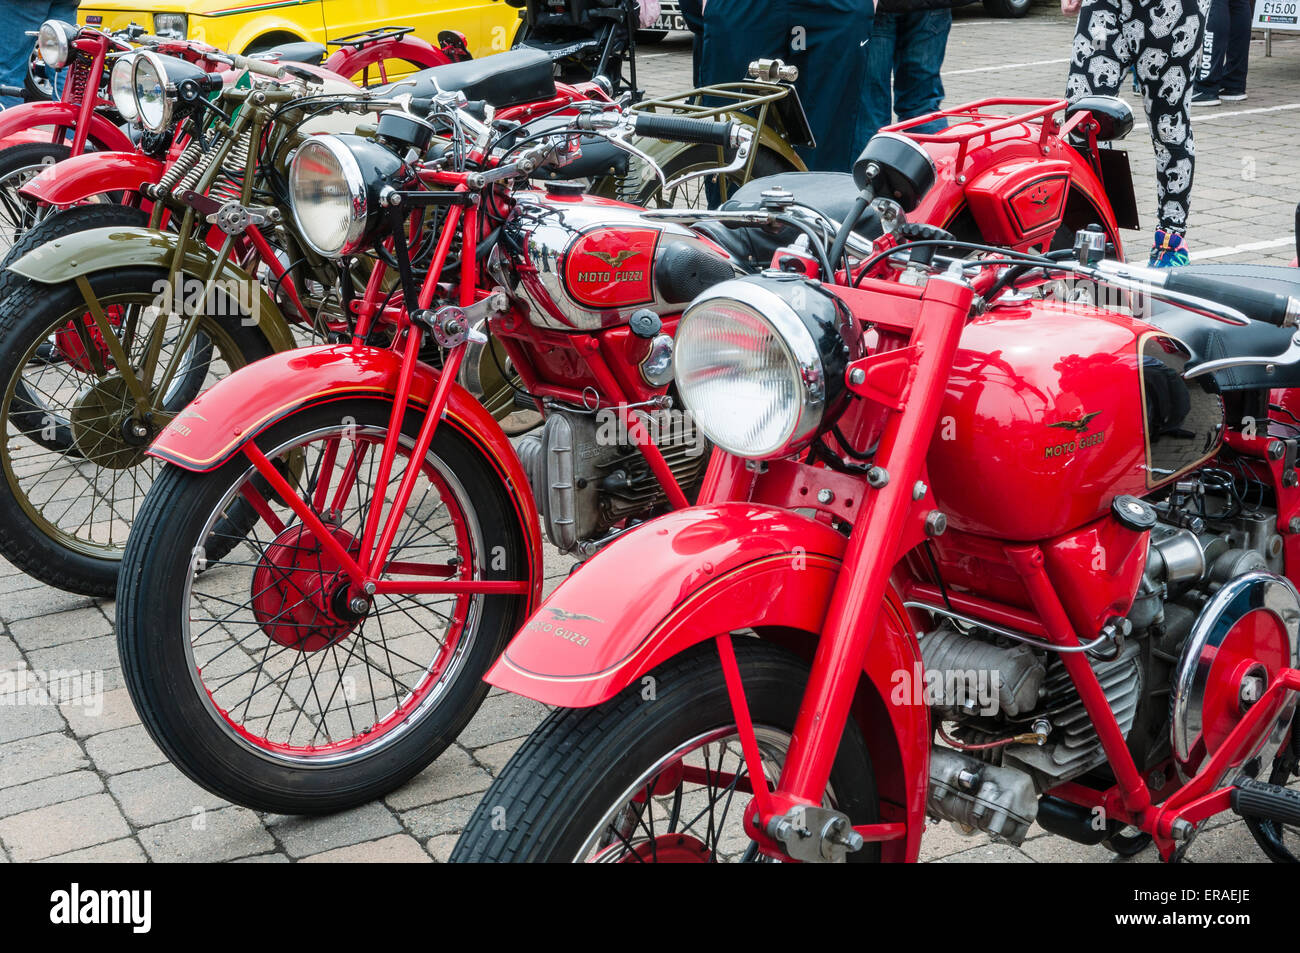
(1254, 303)
(684, 129)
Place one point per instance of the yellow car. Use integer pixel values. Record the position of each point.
(244, 26)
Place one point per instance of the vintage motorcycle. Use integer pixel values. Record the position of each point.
(969, 546)
(321, 652)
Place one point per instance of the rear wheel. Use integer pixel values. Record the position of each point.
(661, 780)
(1007, 9)
(249, 659)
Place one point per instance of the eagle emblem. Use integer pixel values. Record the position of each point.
(613, 259)
(1078, 426)
(564, 615)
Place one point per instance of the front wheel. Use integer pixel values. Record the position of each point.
(266, 674)
(655, 774)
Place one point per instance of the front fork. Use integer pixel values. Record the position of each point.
(775, 819)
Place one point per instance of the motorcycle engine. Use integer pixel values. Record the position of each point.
(987, 687)
(588, 476)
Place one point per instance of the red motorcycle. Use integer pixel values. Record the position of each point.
(330, 497)
(968, 547)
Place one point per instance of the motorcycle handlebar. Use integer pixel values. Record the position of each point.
(684, 129)
(261, 67)
(1269, 307)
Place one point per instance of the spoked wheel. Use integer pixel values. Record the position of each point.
(267, 674)
(18, 166)
(661, 781)
(77, 424)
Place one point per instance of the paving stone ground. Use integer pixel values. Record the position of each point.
(90, 786)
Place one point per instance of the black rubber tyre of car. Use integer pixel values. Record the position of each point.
(1007, 9)
(156, 668)
(561, 783)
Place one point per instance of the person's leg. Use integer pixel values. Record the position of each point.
(1237, 58)
(1100, 53)
(832, 72)
(16, 45)
(1171, 51)
(693, 14)
(877, 95)
(1214, 47)
(918, 85)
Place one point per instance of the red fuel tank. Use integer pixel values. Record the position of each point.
(585, 263)
(1053, 410)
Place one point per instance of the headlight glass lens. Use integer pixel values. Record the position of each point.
(149, 79)
(52, 44)
(738, 376)
(122, 88)
(174, 26)
(328, 209)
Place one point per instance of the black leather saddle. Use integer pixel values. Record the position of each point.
(299, 51)
(502, 79)
(1211, 340)
(831, 193)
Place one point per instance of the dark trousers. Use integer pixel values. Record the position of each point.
(826, 39)
(908, 49)
(1225, 51)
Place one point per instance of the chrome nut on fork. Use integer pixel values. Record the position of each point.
(815, 834)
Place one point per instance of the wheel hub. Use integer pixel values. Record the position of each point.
(105, 427)
(302, 598)
(669, 849)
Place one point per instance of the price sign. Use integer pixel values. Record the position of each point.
(1277, 15)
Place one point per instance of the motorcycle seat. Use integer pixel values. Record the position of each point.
(502, 79)
(1211, 340)
(300, 51)
(831, 193)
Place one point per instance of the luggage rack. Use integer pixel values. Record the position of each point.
(975, 113)
(366, 37)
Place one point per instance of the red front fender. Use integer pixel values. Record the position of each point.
(236, 409)
(102, 133)
(94, 173)
(699, 572)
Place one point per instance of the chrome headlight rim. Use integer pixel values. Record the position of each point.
(155, 62)
(358, 194)
(54, 37)
(806, 367)
(124, 68)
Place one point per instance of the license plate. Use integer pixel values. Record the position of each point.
(671, 21)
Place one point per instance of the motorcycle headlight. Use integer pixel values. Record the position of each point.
(54, 43)
(759, 362)
(160, 82)
(122, 88)
(174, 26)
(335, 184)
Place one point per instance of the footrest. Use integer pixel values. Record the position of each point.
(1268, 801)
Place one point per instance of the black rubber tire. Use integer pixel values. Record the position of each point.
(1007, 9)
(26, 154)
(27, 314)
(150, 643)
(766, 162)
(1127, 845)
(568, 773)
(69, 221)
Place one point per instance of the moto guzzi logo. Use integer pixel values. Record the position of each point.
(558, 629)
(614, 260)
(1080, 442)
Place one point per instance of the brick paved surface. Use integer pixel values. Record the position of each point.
(91, 786)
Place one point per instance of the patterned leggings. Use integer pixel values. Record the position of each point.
(1162, 37)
